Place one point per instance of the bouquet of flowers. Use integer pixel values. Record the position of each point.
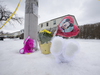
(44, 41)
(45, 36)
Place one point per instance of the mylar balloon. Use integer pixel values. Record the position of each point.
(67, 28)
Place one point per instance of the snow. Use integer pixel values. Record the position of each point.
(86, 62)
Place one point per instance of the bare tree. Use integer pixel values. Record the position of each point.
(5, 14)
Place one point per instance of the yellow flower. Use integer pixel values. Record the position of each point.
(41, 31)
(45, 31)
(28, 53)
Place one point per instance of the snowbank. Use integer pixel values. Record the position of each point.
(86, 62)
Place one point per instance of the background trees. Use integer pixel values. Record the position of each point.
(89, 31)
(5, 14)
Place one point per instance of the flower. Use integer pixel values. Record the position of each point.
(45, 31)
(45, 36)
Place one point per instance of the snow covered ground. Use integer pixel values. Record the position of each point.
(86, 62)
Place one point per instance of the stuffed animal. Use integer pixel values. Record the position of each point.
(63, 50)
(29, 45)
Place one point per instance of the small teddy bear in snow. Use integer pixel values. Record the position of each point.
(29, 45)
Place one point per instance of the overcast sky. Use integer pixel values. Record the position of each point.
(85, 11)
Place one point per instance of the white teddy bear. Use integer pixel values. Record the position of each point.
(63, 49)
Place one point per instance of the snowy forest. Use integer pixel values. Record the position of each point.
(89, 31)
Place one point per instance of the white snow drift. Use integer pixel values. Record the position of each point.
(86, 62)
